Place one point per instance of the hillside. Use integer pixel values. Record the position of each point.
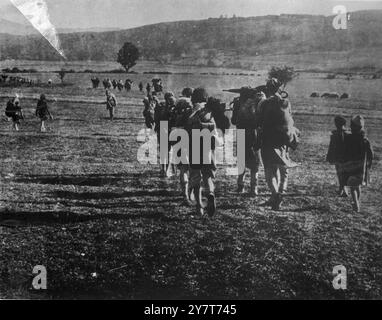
(210, 41)
(14, 28)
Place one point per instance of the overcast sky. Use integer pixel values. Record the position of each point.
(132, 13)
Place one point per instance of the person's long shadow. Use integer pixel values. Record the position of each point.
(91, 180)
(69, 195)
(18, 219)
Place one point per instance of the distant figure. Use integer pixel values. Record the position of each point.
(50, 82)
(336, 152)
(115, 84)
(345, 96)
(315, 95)
(358, 158)
(120, 85)
(148, 89)
(150, 103)
(111, 103)
(128, 84)
(157, 84)
(140, 86)
(331, 95)
(14, 111)
(43, 112)
(95, 82)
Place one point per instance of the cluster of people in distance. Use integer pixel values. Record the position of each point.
(352, 155)
(14, 112)
(109, 84)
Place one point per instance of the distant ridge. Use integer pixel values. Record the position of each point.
(211, 39)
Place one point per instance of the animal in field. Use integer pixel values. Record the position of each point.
(315, 95)
(330, 95)
(345, 96)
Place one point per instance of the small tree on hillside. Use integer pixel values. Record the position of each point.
(62, 74)
(283, 74)
(128, 56)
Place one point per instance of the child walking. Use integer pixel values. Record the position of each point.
(336, 152)
(43, 112)
(358, 158)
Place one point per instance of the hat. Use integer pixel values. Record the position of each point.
(187, 92)
(199, 95)
(358, 122)
(339, 121)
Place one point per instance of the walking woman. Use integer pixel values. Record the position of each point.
(43, 112)
(358, 160)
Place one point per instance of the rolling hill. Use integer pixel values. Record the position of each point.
(15, 28)
(210, 41)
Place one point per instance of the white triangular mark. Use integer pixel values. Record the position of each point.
(36, 12)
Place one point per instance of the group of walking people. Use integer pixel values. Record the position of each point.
(265, 115)
(14, 112)
(352, 155)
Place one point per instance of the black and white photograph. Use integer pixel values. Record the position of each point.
(177, 150)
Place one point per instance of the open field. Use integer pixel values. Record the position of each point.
(77, 201)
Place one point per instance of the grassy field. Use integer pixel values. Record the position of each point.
(77, 201)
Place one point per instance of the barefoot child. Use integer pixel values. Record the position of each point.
(336, 151)
(43, 112)
(358, 158)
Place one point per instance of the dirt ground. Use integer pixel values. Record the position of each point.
(76, 200)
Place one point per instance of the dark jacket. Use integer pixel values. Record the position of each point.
(276, 122)
(336, 151)
(357, 148)
(42, 110)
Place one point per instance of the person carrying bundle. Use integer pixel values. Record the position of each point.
(13, 110)
(245, 118)
(278, 136)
